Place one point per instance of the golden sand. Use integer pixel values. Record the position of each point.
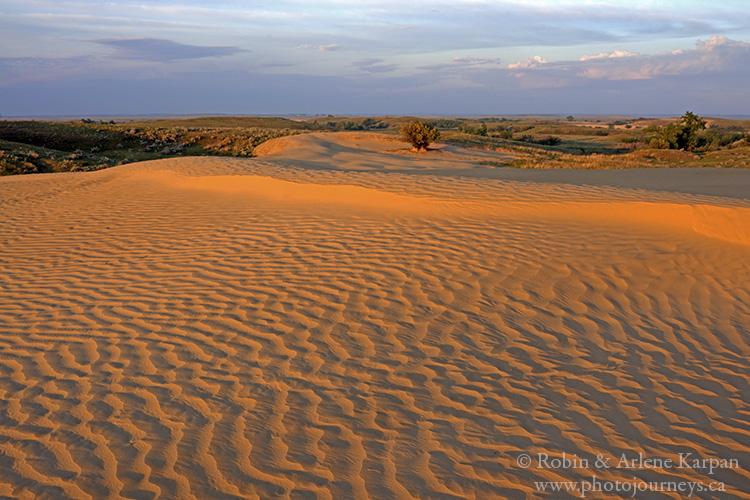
(344, 319)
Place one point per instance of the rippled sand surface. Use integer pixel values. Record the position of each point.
(343, 319)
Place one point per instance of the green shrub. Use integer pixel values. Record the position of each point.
(658, 143)
(504, 134)
(446, 123)
(419, 134)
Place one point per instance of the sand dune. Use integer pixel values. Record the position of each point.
(344, 319)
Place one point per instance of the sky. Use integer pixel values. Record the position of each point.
(374, 57)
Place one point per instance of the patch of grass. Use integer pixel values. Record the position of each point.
(556, 144)
(514, 163)
(37, 146)
(636, 159)
(18, 158)
(64, 136)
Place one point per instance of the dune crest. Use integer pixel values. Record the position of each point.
(363, 141)
(390, 327)
(728, 223)
(357, 197)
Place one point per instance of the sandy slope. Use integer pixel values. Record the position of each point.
(343, 320)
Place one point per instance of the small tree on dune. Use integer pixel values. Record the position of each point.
(691, 124)
(419, 134)
(679, 136)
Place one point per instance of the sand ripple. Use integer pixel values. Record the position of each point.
(408, 337)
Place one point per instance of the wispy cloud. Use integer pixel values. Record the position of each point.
(461, 64)
(476, 61)
(323, 48)
(157, 49)
(380, 26)
(374, 66)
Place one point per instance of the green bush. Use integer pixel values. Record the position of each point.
(658, 143)
(419, 134)
(446, 123)
(690, 134)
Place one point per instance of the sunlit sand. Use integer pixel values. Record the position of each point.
(342, 318)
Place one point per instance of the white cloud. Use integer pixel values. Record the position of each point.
(715, 41)
(609, 55)
(531, 62)
(718, 53)
(714, 55)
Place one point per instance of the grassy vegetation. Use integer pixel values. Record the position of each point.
(37, 146)
(594, 144)
(533, 142)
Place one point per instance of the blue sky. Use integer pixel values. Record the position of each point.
(379, 57)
